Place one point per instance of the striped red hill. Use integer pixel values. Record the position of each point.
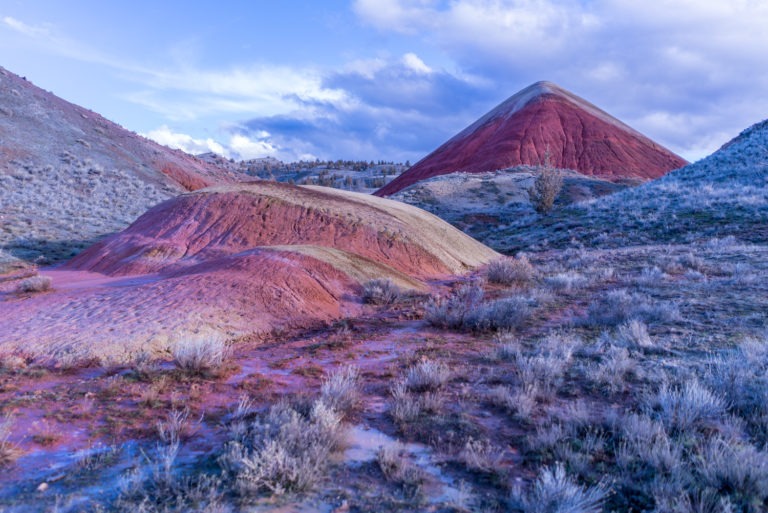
(543, 117)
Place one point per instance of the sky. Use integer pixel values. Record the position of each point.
(389, 79)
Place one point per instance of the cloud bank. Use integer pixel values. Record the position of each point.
(688, 74)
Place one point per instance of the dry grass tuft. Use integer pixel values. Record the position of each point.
(283, 451)
(427, 375)
(691, 405)
(555, 492)
(394, 463)
(481, 456)
(8, 450)
(200, 355)
(615, 307)
(381, 292)
(34, 284)
(511, 271)
(341, 389)
(455, 310)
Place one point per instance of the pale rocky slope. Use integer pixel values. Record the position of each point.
(68, 176)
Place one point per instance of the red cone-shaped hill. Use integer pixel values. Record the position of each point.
(543, 117)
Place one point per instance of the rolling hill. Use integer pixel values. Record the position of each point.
(236, 260)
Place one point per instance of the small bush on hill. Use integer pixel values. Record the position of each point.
(427, 375)
(396, 467)
(633, 334)
(381, 292)
(615, 307)
(283, 451)
(34, 284)
(738, 468)
(453, 311)
(688, 406)
(511, 271)
(341, 389)
(464, 309)
(8, 450)
(546, 187)
(501, 314)
(556, 492)
(481, 456)
(407, 406)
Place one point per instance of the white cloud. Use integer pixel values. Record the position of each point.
(493, 27)
(366, 68)
(606, 72)
(184, 92)
(50, 40)
(257, 82)
(23, 28)
(189, 94)
(415, 64)
(246, 148)
(397, 15)
(167, 137)
(237, 145)
(686, 73)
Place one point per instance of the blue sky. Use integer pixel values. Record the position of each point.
(389, 79)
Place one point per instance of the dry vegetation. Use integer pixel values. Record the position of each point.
(34, 284)
(635, 381)
(719, 196)
(546, 187)
(45, 205)
(584, 379)
(489, 205)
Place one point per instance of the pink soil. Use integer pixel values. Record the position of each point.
(188, 179)
(87, 314)
(104, 405)
(544, 118)
(77, 402)
(81, 408)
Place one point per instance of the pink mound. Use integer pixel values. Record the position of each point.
(227, 220)
(541, 118)
(231, 260)
(112, 320)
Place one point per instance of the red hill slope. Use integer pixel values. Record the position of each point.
(228, 219)
(519, 131)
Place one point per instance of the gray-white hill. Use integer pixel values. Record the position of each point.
(481, 204)
(725, 194)
(68, 176)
